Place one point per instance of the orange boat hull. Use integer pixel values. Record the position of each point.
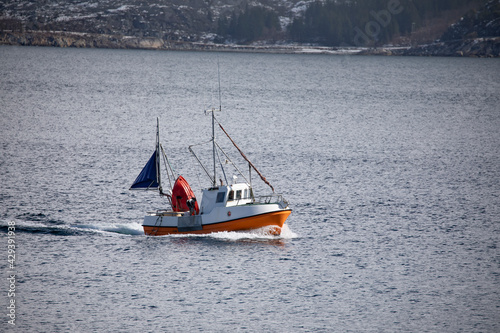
(275, 220)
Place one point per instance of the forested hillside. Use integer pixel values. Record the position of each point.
(163, 23)
(484, 22)
(375, 22)
(252, 24)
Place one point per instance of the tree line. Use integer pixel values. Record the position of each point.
(252, 24)
(340, 22)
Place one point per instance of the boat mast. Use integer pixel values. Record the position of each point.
(158, 176)
(213, 124)
(213, 147)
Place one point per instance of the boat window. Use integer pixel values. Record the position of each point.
(231, 196)
(238, 194)
(245, 195)
(220, 197)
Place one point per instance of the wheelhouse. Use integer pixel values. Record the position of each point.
(226, 196)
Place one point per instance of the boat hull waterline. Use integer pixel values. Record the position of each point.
(155, 225)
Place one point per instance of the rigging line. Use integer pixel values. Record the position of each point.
(201, 143)
(199, 181)
(218, 75)
(246, 158)
(172, 171)
(221, 166)
(203, 167)
(167, 166)
(230, 161)
(158, 219)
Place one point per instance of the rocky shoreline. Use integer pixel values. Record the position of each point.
(479, 47)
(474, 48)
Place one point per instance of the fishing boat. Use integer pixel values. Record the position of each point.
(224, 206)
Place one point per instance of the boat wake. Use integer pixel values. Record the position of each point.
(135, 229)
(124, 229)
(59, 228)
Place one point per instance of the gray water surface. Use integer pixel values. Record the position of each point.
(391, 166)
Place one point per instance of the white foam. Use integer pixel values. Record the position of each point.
(124, 229)
(287, 233)
(127, 229)
(257, 234)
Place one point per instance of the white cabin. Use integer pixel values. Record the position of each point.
(226, 196)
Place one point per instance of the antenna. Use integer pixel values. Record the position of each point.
(218, 76)
(214, 179)
(213, 124)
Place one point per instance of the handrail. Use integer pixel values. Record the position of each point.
(274, 198)
(162, 212)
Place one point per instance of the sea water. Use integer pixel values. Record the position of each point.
(391, 166)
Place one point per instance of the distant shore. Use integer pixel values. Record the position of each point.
(479, 47)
